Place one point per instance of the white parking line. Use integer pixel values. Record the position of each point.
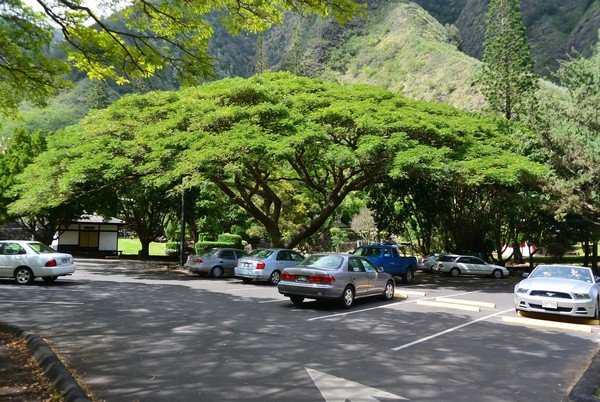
(273, 301)
(384, 306)
(450, 330)
(35, 301)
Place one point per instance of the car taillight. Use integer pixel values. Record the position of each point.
(323, 279)
(260, 265)
(51, 263)
(288, 277)
(423, 260)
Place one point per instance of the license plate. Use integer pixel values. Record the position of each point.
(301, 279)
(550, 304)
(246, 264)
(65, 260)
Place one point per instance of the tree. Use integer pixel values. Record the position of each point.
(133, 39)
(508, 79)
(364, 225)
(44, 222)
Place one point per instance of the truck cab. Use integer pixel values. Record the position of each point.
(388, 257)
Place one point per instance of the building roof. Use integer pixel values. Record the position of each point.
(95, 218)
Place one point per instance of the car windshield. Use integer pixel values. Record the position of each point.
(261, 253)
(41, 248)
(578, 273)
(326, 262)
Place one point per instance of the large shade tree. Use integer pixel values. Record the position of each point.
(125, 40)
(286, 149)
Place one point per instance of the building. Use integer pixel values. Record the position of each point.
(90, 234)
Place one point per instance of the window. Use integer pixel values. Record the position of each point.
(11, 249)
(465, 260)
(354, 265)
(296, 256)
(240, 253)
(387, 253)
(284, 255)
(41, 248)
(475, 260)
(328, 262)
(368, 265)
(228, 255)
(395, 253)
(447, 258)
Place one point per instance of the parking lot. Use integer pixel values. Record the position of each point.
(138, 332)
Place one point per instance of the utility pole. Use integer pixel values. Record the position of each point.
(182, 238)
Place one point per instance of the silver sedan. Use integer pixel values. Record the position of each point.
(215, 262)
(559, 289)
(341, 277)
(266, 264)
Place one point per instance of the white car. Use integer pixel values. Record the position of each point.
(457, 265)
(27, 260)
(559, 289)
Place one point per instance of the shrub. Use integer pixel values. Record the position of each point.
(203, 245)
(172, 248)
(231, 238)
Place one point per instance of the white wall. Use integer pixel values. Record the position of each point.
(69, 238)
(107, 241)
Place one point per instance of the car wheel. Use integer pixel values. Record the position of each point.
(455, 272)
(388, 292)
(347, 298)
(24, 276)
(247, 280)
(408, 276)
(297, 299)
(216, 272)
(49, 278)
(274, 278)
(497, 274)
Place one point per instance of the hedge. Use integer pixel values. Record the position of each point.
(203, 245)
(230, 238)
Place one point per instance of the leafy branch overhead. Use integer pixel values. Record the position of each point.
(123, 40)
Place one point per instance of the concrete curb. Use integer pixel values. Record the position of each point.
(54, 369)
(584, 390)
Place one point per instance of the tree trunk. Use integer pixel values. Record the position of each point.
(145, 251)
(595, 257)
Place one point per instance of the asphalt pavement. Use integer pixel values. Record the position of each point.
(138, 331)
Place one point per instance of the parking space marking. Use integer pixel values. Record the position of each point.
(466, 302)
(548, 324)
(384, 306)
(450, 330)
(241, 289)
(411, 293)
(273, 301)
(38, 301)
(452, 306)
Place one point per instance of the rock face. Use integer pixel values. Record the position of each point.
(555, 28)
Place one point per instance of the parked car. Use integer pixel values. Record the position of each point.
(457, 265)
(388, 257)
(216, 262)
(342, 277)
(428, 262)
(266, 264)
(26, 260)
(559, 289)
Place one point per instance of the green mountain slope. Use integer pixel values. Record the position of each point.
(555, 28)
(398, 46)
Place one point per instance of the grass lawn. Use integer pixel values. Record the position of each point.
(132, 246)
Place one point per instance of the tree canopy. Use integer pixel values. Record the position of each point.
(286, 149)
(123, 40)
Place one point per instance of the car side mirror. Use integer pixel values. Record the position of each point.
(380, 269)
(525, 274)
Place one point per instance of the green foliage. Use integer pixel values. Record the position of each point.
(203, 245)
(136, 40)
(339, 238)
(230, 238)
(508, 79)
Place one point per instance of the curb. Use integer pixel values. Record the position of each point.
(54, 369)
(585, 388)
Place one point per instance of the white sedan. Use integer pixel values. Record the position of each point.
(559, 289)
(26, 260)
(457, 265)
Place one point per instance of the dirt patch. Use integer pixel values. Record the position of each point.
(21, 378)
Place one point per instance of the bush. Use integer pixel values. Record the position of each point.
(230, 238)
(203, 245)
(172, 248)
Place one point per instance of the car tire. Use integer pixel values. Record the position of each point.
(297, 299)
(347, 297)
(216, 272)
(497, 274)
(247, 280)
(23, 276)
(408, 276)
(388, 294)
(455, 272)
(49, 279)
(275, 277)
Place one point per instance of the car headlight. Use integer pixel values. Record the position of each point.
(581, 296)
(522, 290)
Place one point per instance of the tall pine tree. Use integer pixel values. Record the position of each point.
(509, 83)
